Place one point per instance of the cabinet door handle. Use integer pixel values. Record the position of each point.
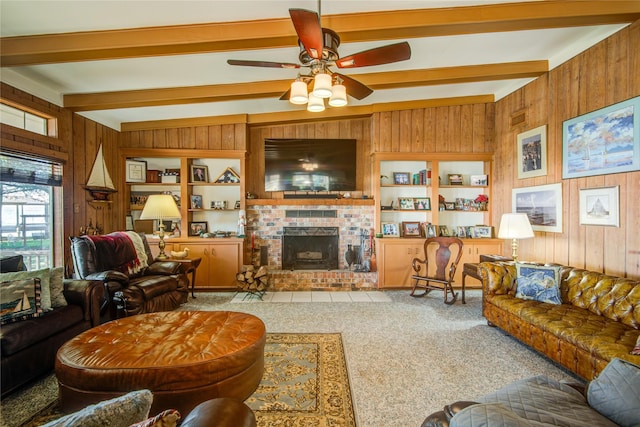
(206, 251)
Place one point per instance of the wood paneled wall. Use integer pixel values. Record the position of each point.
(603, 75)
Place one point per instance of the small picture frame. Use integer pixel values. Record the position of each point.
(455, 179)
(196, 201)
(482, 232)
(405, 203)
(461, 232)
(430, 230)
(600, 206)
(390, 229)
(136, 170)
(479, 180)
(401, 178)
(422, 203)
(198, 228)
(199, 173)
(443, 231)
(449, 206)
(237, 205)
(411, 229)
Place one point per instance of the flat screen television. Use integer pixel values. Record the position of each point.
(310, 165)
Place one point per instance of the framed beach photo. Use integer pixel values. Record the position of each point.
(411, 229)
(199, 173)
(602, 142)
(542, 204)
(401, 178)
(390, 229)
(600, 206)
(532, 152)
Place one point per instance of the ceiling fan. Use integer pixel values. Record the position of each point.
(319, 52)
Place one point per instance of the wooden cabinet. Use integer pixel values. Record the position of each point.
(471, 252)
(221, 260)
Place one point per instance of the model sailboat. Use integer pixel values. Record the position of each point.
(100, 184)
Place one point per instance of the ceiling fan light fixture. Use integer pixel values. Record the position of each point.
(315, 105)
(338, 96)
(322, 85)
(298, 93)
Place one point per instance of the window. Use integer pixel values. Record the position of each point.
(23, 119)
(29, 189)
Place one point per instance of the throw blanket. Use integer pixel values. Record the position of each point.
(120, 251)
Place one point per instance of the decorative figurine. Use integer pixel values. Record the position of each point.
(242, 222)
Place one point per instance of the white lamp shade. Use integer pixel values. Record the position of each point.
(160, 206)
(515, 226)
(298, 93)
(315, 104)
(338, 96)
(322, 85)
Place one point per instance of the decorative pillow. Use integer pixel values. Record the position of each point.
(538, 282)
(636, 349)
(56, 286)
(122, 411)
(19, 299)
(12, 263)
(43, 275)
(615, 393)
(168, 418)
(488, 414)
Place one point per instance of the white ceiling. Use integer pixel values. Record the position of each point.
(52, 81)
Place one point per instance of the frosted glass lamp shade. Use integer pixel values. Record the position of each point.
(338, 96)
(322, 85)
(315, 104)
(298, 93)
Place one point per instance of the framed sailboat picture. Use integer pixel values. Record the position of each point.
(542, 204)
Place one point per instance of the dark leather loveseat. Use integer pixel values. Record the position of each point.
(29, 346)
(134, 282)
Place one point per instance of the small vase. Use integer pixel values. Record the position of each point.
(350, 256)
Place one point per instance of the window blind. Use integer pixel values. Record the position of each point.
(18, 169)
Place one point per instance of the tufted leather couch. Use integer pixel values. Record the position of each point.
(598, 320)
(162, 286)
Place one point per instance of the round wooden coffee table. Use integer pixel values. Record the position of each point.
(183, 357)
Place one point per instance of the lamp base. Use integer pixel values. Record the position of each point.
(514, 250)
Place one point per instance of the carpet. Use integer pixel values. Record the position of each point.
(305, 384)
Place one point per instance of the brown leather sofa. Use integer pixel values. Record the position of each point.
(598, 320)
(29, 346)
(157, 286)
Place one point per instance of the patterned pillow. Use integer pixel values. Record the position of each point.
(168, 418)
(538, 282)
(43, 275)
(615, 392)
(636, 349)
(56, 286)
(19, 299)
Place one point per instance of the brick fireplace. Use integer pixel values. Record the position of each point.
(271, 223)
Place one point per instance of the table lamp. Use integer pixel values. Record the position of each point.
(160, 207)
(515, 226)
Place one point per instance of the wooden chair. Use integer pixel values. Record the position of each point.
(431, 272)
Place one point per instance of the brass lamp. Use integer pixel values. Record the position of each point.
(160, 207)
(515, 226)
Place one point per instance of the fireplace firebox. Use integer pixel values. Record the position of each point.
(310, 248)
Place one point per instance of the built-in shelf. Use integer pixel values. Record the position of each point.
(298, 202)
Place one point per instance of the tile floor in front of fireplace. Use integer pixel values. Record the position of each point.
(313, 296)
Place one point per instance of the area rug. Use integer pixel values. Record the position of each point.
(305, 383)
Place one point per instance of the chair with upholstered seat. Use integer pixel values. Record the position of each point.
(437, 269)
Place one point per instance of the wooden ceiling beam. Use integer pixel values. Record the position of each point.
(275, 88)
(278, 33)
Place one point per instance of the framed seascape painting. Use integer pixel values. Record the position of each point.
(602, 142)
(542, 204)
(600, 206)
(532, 153)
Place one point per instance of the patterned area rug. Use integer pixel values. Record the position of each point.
(305, 384)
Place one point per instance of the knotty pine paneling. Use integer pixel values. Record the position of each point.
(605, 74)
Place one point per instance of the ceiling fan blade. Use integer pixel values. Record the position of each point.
(377, 56)
(262, 64)
(354, 88)
(307, 25)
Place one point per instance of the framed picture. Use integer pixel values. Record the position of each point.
(422, 203)
(532, 152)
(602, 142)
(136, 171)
(199, 173)
(449, 206)
(229, 176)
(455, 179)
(600, 206)
(443, 231)
(196, 201)
(479, 180)
(411, 229)
(401, 178)
(461, 232)
(237, 205)
(390, 229)
(405, 203)
(482, 232)
(198, 228)
(542, 204)
(430, 230)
